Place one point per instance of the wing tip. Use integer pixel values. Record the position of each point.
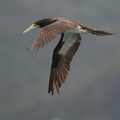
(52, 92)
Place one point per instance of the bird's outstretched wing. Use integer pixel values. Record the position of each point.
(49, 32)
(62, 56)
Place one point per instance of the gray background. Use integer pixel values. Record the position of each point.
(92, 88)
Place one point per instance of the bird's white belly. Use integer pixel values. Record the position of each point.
(76, 30)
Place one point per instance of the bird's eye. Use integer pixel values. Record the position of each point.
(34, 24)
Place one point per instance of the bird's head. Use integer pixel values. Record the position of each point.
(32, 27)
(39, 24)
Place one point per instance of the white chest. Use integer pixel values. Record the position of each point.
(76, 30)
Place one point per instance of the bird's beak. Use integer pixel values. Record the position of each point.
(32, 27)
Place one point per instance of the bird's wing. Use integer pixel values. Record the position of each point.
(62, 56)
(49, 32)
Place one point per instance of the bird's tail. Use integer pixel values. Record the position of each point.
(101, 33)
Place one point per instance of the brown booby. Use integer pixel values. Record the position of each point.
(66, 48)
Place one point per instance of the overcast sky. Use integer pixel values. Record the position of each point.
(91, 90)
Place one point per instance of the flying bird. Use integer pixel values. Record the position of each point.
(66, 48)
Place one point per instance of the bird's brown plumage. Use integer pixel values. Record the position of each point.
(65, 49)
(61, 63)
(50, 31)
